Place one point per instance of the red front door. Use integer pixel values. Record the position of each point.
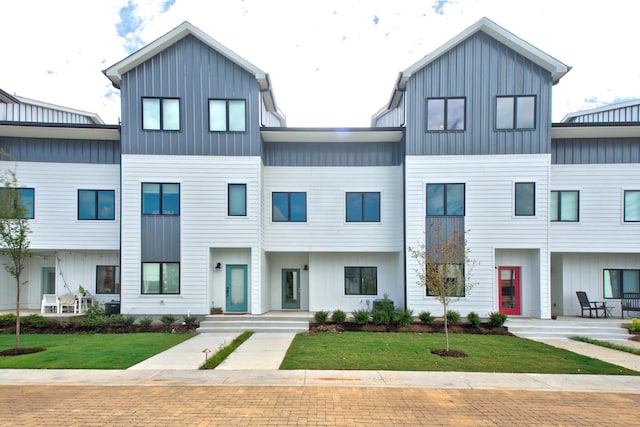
(509, 289)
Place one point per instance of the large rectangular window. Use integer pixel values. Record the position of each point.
(96, 205)
(363, 207)
(17, 201)
(445, 199)
(160, 199)
(237, 199)
(160, 113)
(632, 206)
(515, 112)
(227, 115)
(454, 277)
(161, 278)
(289, 207)
(525, 198)
(445, 114)
(564, 206)
(361, 280)
(617, 281)
(107, 279)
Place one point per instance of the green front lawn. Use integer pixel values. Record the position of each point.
(87, 351)
(411, 352)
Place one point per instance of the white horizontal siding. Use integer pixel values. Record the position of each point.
(490, 222)
(326, 229)
(601, 227)
(203, 221)
(56, 224)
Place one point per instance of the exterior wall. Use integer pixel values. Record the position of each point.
(326, 229)
(393, 117)
(61, 150)
(193, 72)
(479, 69)
(595, 150)
(601, 202)
(204, 226)
(332, 154)
(490, 223)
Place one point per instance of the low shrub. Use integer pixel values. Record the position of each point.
(146, 321)
(497, 319)
(37, 321)
(189, 320)
(360, 317)
(453, 317)
(8, 319)
(473, 318)
(168, 319)
(381, 316)
(121, 320)
(93, 324)
(95, 310)
(635, 325)
(321, 317)
(404, 317)
(338, 316)
(426, 318)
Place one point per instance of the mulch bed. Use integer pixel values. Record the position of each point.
(68, 328)
(437, 326)
(20, 351)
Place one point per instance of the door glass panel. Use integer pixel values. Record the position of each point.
(237, 286)
(291, 279)
(508, 288)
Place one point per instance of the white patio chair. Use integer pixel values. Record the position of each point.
(50, 301)
(70, 302)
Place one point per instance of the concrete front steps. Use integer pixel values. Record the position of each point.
(269, 322)
(566, 327)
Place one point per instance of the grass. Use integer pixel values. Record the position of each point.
(608, 345)
(87, 351)
(224, 352)
(411, 352)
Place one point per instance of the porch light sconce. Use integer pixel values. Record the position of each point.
(306, 267)
(218, 266)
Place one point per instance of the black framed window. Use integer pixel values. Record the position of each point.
(160, 199)
(361, 280)
(454, 275)
(237, 199)
(616, 281)
(96, 204)
(289, 207)
(445, 199)
(515, 112)
(564, 206)
(227, 115)
(161, 113)
(107, 279)
(632, 206)
(363, 207)
(446, 114)
(160, 278)
(16, 202)
(525, 198)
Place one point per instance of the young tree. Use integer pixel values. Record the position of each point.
(14, 234)
(444, 268)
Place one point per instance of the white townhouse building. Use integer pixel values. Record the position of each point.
(202, 197)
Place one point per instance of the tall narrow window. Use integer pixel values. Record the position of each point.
(564, 206)
(160, 114)
(445, 114)
(363, 207)
(227, 115)
(525, 198)
(237, 204)
(515, 112)
(17, 202)
(96, 204)
(445, 199)
(160, 199)
(632, 205)
(289, 207)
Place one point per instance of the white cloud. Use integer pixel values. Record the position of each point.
(331, 63)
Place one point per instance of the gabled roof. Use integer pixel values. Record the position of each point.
(535, 55)
(7, 98)
(609, 107)
(117, 70)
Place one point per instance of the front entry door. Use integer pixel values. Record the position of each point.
(237, 288)
(509, 289)
(291, 288)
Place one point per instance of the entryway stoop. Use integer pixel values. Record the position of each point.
(566, 327)
(273, 321)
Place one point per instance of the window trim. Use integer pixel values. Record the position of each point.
(161, 201)
(116, 284)
(446, 114)
(227, 115)
(604, 270)
(624, 207)
(288, 193)
(514, 124)
(160, 288)
(97, 205)
(229, 185)
(559, 206)
(515, 198)
(445, 185)
(161, 112)
(362, 213)
(361, 284)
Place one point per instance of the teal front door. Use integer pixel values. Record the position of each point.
(237, 288)
(291, 288)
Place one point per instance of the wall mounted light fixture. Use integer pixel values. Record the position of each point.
(218, 266)
(306, 267)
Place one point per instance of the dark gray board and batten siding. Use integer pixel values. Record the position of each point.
(195, 73)
(323, 154)
(584, 151)
(160, 238)
(57, 150)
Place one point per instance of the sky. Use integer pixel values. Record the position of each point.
(332, 63)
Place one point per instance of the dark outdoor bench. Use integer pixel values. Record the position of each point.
(630, 302)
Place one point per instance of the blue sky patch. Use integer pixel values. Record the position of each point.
(128, 27)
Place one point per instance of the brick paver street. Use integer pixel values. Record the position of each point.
(53, 405)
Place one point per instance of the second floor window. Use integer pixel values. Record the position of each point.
(445, 114)
(525, 198)
(96, 205)
(289, 207)
(160, 114)
(632, 206)
(363, 207)
(445, 199)
(227, 115)
(237, 199)
(563, 206)
(515, 112)
(160, 199)
(17, 202)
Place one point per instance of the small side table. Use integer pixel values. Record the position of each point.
(608, 310)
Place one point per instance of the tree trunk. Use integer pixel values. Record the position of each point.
(18, 313)
(446, 329)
